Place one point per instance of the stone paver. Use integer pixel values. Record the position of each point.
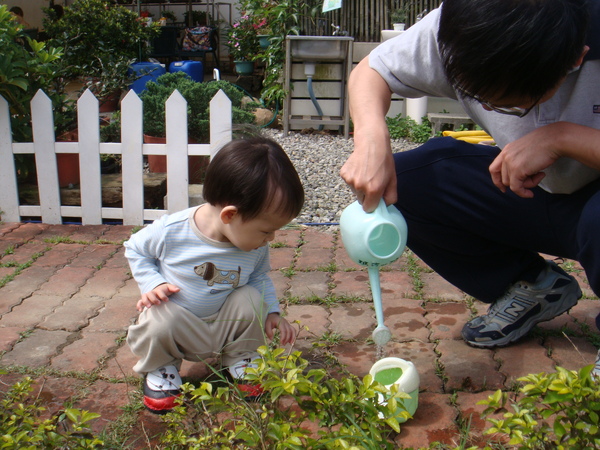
(70, 302)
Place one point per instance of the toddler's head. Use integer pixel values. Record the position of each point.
(255, 175)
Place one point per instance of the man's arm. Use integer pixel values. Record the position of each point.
(370, 171)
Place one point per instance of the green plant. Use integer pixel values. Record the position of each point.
(27, 66)
(96, 35)
(560, 410)
(198, 97)
(280, 19)
(196, 18)
(170, 15)
(407, 128)
(242, 39)
(347, 411)
(21, 426)
(400, 14)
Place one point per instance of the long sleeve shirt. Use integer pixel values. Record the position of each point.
(173, 250)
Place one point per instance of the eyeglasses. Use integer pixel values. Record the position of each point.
(508, 110)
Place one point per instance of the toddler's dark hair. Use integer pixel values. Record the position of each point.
(252, 174)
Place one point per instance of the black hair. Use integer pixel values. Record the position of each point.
(16, 10)
(493, 48)
(252, 174)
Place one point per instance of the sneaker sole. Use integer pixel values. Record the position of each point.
(527, 326)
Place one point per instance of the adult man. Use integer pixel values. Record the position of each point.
(528, 72)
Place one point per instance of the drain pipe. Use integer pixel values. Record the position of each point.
(309, 71)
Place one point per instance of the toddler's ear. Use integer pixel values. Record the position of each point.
(228, 213)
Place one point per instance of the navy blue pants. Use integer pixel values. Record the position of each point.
(480, 239)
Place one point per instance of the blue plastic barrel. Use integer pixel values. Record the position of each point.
(195, 69)
(151, 71)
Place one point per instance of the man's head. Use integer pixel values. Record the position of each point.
(254, 175)
(523, 49)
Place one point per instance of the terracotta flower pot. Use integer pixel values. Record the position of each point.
(68, 163)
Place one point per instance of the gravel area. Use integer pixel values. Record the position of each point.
(318, 159)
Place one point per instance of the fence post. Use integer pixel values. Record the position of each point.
(42, 121)
(177, 152)
(220, 122)
(133, 163)
(9, 207)
(89, 159)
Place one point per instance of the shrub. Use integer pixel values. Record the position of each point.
(407, 128)
(559, 410)
(347, 410)
(95, 34)
(198, 97)
(21, 427)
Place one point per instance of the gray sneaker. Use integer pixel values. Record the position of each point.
(523, 306)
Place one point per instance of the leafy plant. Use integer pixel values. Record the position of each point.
(98, 38)
(25, 67)
(198, 97)
(242, 39)
(281, 19)
(407, 128)
(196, 18)
(559, 410)
(347, 411)
(170, 15)
(21, 426)
(400, 14)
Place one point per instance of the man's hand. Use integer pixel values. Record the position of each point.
(370, 172)
(274, 321)
(156, 296)
(520, 164)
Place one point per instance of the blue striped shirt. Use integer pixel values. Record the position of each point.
(173, 250)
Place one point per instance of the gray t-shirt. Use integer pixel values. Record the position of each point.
(411, 65)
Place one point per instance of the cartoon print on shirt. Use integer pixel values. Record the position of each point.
(212, 274)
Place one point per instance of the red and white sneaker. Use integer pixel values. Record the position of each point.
(238, 371)
(161, 388)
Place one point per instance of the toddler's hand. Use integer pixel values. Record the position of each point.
(157, 295)
(287, 334)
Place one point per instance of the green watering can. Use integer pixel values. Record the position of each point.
(373, 240)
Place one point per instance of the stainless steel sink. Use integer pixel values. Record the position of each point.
(319, 48)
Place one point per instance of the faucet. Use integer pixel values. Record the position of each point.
(337, 31)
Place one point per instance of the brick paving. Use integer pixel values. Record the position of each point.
(67, 298)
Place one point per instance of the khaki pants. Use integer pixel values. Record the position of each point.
(167, 333)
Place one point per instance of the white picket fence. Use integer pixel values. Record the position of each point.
(131, 148)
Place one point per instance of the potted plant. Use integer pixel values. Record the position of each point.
(399, 16)
(196, 18)
(28, 69)
(169, 15)
(398, 19)
(264, 32)
(198, 97)
(243, 44)
(99, 39)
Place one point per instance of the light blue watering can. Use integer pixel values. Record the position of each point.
(373, 240)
